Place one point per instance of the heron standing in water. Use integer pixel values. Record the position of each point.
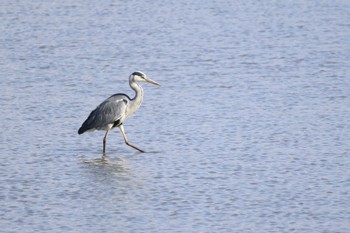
(116, 109)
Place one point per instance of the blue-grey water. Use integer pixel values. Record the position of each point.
(249, 132)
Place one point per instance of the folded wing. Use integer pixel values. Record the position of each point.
(109, 113)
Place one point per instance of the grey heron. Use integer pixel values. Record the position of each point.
(116, 109)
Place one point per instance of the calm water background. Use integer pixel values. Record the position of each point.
(249, 132)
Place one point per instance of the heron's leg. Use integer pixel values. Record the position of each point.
(104, 141)
(121, 127)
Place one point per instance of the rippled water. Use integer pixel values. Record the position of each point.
(249, 131)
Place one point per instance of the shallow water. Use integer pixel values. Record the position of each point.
(249, 131)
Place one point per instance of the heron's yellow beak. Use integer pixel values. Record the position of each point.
(153, 82)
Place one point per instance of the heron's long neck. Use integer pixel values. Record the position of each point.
(137, 100)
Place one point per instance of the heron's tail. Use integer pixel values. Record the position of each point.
(84, 127)
(81, 130)
(89, 123)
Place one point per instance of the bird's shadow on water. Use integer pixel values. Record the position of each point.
(114, 161)
(107, 163)
(117, 169)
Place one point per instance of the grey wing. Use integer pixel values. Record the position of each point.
(108, 112)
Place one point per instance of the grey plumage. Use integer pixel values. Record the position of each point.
(116, 109)
(108, 112)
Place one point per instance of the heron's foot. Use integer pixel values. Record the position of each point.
(142, 151)
(127, 143)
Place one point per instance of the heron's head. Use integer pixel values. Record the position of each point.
(138, 76)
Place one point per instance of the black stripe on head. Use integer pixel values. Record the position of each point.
(139, 74)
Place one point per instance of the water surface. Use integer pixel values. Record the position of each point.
(249, 131)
